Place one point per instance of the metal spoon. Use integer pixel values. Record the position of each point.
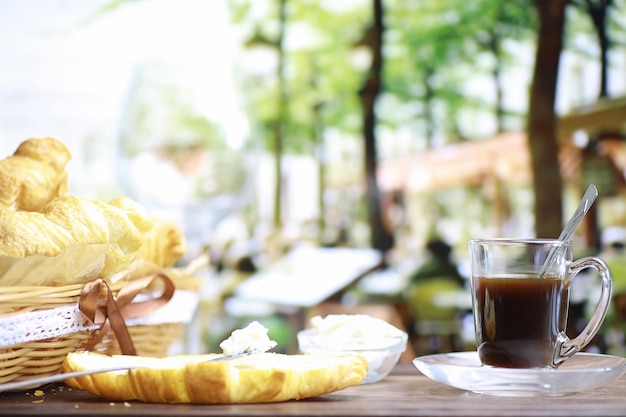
(40, 381)
(583, 207)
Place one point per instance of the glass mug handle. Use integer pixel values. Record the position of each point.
(566, 347)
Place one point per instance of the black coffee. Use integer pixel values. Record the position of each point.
(518, 319)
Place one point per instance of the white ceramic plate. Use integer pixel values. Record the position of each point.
(463, 370)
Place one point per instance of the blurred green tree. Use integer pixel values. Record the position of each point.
(381, 237)
(599, 12)
(315, 89)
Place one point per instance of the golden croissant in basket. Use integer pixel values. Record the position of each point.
(70, 220)
(34, 174)
(37, 219)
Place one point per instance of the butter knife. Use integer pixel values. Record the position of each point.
(40, 381)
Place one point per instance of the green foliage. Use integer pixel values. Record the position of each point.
(160, 111)
(318, 71)
(433, 48)
(435, 53)
(438, 46)
(580, 26)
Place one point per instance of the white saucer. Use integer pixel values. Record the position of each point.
(463, 370)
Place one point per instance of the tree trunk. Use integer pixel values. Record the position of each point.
(429, 98)
(494, 47)
(598, 12)
(381, 238)
(317, 138)
(542, 134)
(280, 118)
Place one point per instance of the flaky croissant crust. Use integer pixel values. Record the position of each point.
(122, 223)
(34, 174)
(259, 378)
(37, 217)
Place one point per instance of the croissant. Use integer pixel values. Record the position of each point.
(259, 378)
(164, 244)
(122, 225)
(34, 174)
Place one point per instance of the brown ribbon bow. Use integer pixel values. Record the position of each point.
(98, 303)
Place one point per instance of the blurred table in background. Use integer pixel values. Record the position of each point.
(305, 278)
(308, 276)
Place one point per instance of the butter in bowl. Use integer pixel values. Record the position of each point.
(380, 343)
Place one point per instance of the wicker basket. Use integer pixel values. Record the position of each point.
(38, 358)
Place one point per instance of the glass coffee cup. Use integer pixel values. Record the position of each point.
(520, 297)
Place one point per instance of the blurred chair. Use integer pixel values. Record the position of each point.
(615, 335)
(619, 305)
(434, 328)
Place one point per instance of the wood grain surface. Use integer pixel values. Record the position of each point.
(404, 393)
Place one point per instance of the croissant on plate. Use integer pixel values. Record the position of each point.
(122, 224)
(34, 175)
(259, 378)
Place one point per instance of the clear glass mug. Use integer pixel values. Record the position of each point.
(520, 298)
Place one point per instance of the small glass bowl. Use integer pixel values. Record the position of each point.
(381, 354)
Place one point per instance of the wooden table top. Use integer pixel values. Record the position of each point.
(404, 393)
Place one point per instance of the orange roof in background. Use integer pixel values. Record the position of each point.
(505, 157)
(616, 150)
(605, 115)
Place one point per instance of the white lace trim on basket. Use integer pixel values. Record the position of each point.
(61, 321)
